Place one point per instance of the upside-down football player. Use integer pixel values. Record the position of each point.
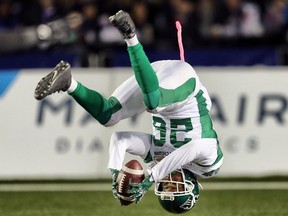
(184, 144)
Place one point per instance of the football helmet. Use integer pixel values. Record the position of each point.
(178, 192)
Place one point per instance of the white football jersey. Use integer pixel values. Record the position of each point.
(183, 112)
(182, 119)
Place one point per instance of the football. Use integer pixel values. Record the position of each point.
(132, 172)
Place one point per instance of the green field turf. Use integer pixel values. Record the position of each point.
(98, 203)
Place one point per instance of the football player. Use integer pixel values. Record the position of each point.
(183, 133)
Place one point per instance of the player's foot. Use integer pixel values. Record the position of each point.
(58, 80)
(123, 22)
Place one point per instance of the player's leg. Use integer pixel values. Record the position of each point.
(60, 79)
(209, 159)
(198, 155)
(135, 143)
(144, 73)
(126, 101)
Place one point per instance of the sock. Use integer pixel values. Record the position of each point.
(132, 41)
(73, 86)
(93, 102)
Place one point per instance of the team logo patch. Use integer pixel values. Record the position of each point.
(189, 203)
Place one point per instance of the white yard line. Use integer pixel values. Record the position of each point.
(245, 186)
(107, 187)
(55, 187)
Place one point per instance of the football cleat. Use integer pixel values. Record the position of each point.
(57, 80)
(123, 22)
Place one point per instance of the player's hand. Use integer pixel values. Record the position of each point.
(115, 173)
(139, 189)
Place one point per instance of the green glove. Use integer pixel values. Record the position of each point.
(139, 189)
(115, 173)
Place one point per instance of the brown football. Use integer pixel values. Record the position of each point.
(132, 172)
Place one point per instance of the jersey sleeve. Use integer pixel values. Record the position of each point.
(174, 161)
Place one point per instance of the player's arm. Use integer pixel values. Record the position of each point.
(135, 143)
(175, 160)
(170, 163)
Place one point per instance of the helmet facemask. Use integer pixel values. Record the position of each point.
(178, 192)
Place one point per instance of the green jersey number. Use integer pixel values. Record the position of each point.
(178, 126)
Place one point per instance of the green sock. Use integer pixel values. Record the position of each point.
(145, 76)
(93, 102)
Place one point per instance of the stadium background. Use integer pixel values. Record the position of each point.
(54, 155)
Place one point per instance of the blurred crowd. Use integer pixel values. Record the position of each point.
(205, 23)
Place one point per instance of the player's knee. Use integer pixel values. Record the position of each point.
(152, 99)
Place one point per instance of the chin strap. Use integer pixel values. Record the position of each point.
(179, 37)
(200, 185)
